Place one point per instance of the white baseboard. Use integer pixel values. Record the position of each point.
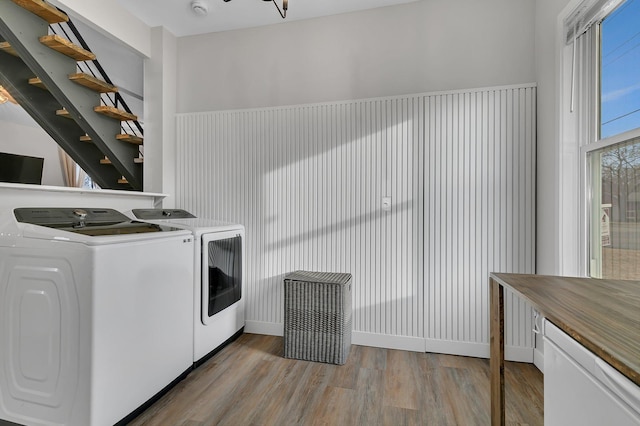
(518, 354)
(538, 354)
(538, 359)
(450, 347)
(268, 328)
(407, 343)
(477, 350)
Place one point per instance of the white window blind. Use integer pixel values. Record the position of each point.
(585, 15)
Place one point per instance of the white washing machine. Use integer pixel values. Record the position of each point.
(95, 314)
(218, 279)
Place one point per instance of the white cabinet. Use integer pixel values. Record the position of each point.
(581, 389)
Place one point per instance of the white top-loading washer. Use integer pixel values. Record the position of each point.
(95, 314)
(219, 305)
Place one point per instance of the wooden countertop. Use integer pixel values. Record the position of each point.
(603, 315)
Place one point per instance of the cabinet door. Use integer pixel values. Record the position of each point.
(573, 396)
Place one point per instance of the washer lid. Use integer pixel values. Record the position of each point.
(155, 214)
(86, 221)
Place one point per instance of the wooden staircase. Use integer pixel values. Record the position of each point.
(92, 135)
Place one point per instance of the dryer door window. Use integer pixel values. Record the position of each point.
(222, 279)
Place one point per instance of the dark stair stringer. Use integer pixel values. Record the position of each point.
(41, 105)
(22, 30)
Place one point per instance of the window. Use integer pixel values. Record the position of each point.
(613, 148)
(615, 217)
(619, 65)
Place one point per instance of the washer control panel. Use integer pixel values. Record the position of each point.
(155, 214)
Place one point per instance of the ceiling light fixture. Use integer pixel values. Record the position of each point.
(200, 8)
(285, 6)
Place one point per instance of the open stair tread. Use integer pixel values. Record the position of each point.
(35, 81)
(63, 113)
(136, 160)
(43, 10)
(116, 113)
(65, 47)
(6, 47)
(93, 83)
(126, 137)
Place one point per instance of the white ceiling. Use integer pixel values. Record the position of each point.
(179, 19)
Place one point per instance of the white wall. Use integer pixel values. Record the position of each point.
(21, 135)
(112, 20)
(307, 182)
(160, 109)
(430, 45)
(424, 46)
(547, 76)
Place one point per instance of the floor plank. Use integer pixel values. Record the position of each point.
(401, 384)
(250, 383)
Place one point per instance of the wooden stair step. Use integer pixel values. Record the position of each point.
(65, 47)
(137, 160)
(93, 83)
(116, 113)
(110, 112)
(133, 139)
(43, 10)
(35, 81)
(5, 96)
(63, 113)
(6, 47)
(126, 137)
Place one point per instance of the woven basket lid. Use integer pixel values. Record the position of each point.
(319, 277)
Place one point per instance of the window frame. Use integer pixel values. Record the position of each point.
(578, 128)
(595, 143)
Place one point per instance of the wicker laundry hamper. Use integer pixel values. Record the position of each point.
(317, 316)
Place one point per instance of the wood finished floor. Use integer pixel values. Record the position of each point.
(250, 383)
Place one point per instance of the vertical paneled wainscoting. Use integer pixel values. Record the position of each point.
(308, 183)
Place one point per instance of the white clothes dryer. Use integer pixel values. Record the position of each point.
(95, 314)
(219, 305)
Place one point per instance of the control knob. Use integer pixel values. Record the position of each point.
(82, 214)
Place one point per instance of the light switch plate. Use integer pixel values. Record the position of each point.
(386, 204)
